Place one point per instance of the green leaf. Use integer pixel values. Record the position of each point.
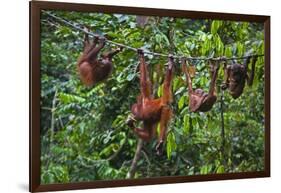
(240, 49)
(186, 124)
(69, 98)
(171, 144)
(181, 102)
(216, 24)
(206, 169)
(158, 129)
(158, 38)
(107, 151)
(220, 169)
(228, 51)
(218, 45)
(160, 91)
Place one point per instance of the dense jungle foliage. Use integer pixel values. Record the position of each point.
(84, 136)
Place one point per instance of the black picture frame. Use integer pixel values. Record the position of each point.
(34, 100)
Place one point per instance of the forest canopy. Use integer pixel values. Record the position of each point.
(84, 135)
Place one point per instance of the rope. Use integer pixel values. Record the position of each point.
(75, 26)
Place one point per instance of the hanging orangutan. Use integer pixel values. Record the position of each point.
(236, 76)
(91, 68)
(152, 111)
(200, 101)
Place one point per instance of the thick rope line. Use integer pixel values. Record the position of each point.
(74, 25)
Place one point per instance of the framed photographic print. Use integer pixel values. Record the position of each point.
(123, 96)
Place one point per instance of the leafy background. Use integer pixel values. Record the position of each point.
(84, 136)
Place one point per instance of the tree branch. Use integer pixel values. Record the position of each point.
(53, 117)
(131, 173)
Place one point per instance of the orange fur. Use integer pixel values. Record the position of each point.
(200, 101)
(91, 68)
(151, 111)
